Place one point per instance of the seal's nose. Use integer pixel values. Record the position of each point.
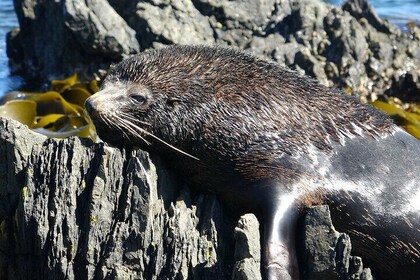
(90, 105)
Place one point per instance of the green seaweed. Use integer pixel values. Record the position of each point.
(405, 115)
(58, 112)
(23, 111)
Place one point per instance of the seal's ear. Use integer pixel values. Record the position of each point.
(172, 101)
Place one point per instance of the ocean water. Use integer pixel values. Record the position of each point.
(397, 11)
(8, 20)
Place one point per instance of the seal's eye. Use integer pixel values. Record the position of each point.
(139, 98)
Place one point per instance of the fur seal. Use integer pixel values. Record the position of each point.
(270, 141)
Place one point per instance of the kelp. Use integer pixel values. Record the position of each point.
(405, 115)
(59, 112)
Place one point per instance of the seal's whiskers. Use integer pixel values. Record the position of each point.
(170, 146)
(111, 124)
(133, 119)
(132, 128)
(136, 130)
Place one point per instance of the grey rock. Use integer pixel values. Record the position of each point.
(346, 36)
(342, 256)
(247, 269)
(328, 252)
(311, 65)
(362, 9)
(125, 8)
(247, 249)
(171, 22)
(15, 51)
(99, 29)
(287, 53)
(268, 46)
(74, 209)
(86, 210)
(382, 58)
(320, 265)
(407, 86)
(307, 19)
(16, 142)
(70, 36)
(238, 14)
(236, 22)
(357, 79)
(348, 50)
(311, 14)
(247, 238)
(355, 265)
(233, 37)
(366, 274)
(331, 70)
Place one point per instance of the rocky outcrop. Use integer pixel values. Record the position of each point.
(349, 46)
(74, 209)
(327, 252)
(56, 38)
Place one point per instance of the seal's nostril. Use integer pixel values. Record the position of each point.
(89, 106)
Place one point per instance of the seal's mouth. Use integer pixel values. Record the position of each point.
(103, 129)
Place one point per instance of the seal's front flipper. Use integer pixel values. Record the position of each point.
(279, 252)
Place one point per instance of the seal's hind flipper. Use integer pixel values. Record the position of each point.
(280, 216)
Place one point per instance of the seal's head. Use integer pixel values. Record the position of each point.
(118, 110)
(158, 98)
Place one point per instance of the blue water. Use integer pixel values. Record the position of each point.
(8, 20)
(398, 12)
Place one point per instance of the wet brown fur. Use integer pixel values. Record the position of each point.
(217, 88)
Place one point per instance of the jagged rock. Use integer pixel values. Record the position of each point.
(171, 22)
(106, 33)
(15, 51)
(406, 87)
(311, 65)
(362, 9)
(270, 46)
(238, 14)
(382, 58)
(327, 252)
(247, 249)
(62, 37)
(74, 209)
